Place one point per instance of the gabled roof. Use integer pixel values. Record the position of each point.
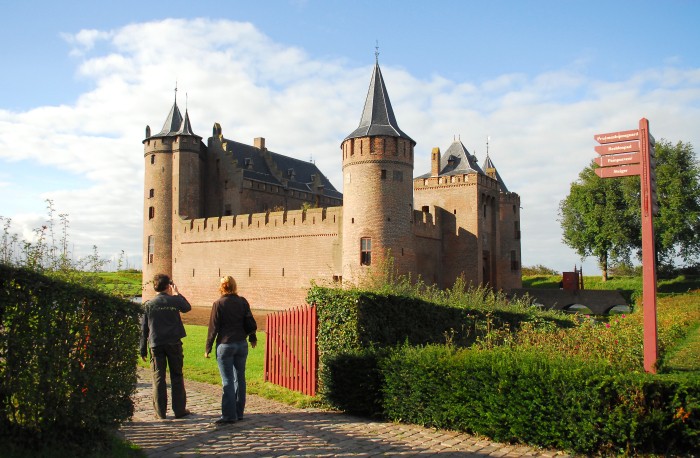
(298, 172)
(488, 164)
(378, 116)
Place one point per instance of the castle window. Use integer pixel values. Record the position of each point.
(151, 212)
(151, 193)
(516, 227)
(514, 265)
(153, 158)
(365, 251)
(151, 248)
(398, 175)
(383, 174)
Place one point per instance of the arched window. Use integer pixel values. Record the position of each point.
(151, 193)
(151, 212)
(153, 158)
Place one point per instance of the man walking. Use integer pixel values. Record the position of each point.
(162, 329)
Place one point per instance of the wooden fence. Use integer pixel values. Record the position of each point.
(291, 357)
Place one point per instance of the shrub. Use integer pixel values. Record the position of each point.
(523, 396)
(539, 269)
(67, 356)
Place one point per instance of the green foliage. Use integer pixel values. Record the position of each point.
(352, 320)
(67, 356)
(539, 269)
(601, 217)
(468, 359)
(598, 217)
(556, 402)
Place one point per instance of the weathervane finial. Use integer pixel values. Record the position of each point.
(175, 91)
(376, 52)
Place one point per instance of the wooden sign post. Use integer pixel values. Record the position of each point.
(627, 153)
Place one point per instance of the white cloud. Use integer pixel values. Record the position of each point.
(541, 126)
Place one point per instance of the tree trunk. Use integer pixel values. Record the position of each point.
(603, 261)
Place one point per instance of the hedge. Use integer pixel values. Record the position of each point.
(380, 357)
(67, 356)
(521, 396)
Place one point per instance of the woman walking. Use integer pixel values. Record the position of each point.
(227, 325)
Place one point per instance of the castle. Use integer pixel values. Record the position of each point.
(276, 223)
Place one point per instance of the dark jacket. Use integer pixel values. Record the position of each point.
(226, 321)
(161, 323)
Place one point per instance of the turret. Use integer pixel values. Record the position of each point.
(171, 190)
(377, 188)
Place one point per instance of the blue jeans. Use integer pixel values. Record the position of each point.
(231, 359)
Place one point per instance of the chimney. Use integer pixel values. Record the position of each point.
(435, 169)
(259, 142)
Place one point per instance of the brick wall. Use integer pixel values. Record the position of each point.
(273, 256)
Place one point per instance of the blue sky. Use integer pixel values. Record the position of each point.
(81, 80)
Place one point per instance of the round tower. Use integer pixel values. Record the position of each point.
(377, 190)
(171, 191)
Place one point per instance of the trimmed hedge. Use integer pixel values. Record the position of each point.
(67, 356)
(522, 396)
(506, 394)
(351, 320)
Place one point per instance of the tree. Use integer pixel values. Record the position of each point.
(677, 226)
(602, 217)
(598, 220)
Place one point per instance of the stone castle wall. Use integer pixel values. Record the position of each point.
(273, 256)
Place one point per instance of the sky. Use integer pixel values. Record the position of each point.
(81, 80)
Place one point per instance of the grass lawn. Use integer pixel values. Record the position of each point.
(201, 369)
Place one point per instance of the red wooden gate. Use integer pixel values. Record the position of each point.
(290, 353)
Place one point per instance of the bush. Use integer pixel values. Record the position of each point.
(524, 396)
(539, 270)
(67, 356)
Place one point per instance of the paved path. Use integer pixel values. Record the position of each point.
(273, 429)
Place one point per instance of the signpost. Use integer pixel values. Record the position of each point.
(628, 153)
(618, 159)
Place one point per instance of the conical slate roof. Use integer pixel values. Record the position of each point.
(378, 116)
(175, 124)
(488, 164)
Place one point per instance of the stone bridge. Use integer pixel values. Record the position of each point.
(598, 301)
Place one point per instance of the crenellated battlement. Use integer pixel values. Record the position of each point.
(509, 198)
(426, 225)
(320, 221)
(466, 179)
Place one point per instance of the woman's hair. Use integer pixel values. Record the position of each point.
(228, 285)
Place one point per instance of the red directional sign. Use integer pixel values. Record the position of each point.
(613, 137)
(616, 148)
(619, 171)
(618, 159)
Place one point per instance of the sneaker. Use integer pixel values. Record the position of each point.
(183, 414)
